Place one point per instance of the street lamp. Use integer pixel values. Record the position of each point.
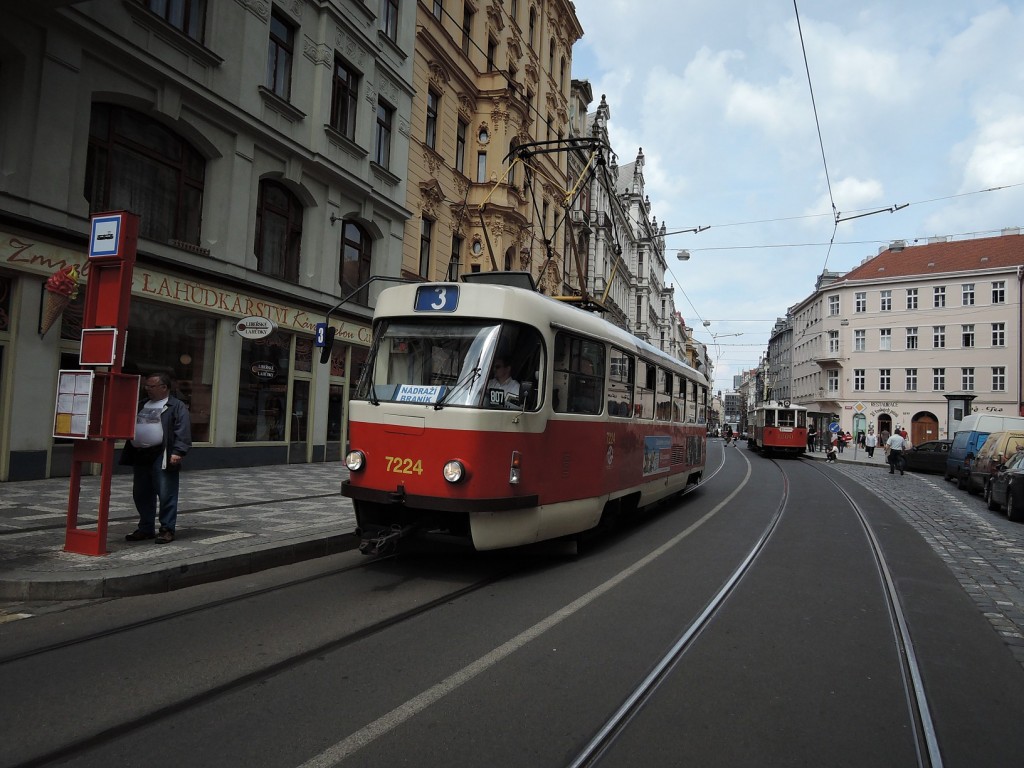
(683, 255)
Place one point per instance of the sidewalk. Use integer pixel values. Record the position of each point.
(230, 522)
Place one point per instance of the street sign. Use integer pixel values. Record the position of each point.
(834, 427)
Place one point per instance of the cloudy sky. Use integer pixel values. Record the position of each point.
(919, 102)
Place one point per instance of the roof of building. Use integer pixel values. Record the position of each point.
(943, 257)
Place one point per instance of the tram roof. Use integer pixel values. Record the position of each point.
(492, 299)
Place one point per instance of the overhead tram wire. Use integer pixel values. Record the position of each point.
(821, 143)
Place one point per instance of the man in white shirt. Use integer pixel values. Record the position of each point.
(896, 445)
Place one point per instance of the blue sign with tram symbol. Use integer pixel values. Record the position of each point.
(437, 298)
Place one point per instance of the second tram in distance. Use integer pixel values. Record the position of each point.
(779, 428)
(500, 416)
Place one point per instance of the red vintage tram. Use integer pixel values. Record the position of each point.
(596, 422)
(778, 427)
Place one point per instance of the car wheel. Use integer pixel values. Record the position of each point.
(1012, 512)
(992, 504)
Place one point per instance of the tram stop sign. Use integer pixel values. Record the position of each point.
(834, 427)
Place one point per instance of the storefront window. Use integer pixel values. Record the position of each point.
(263, 388)
(5, 304)
(162, 338)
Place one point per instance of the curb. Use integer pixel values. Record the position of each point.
(170, 576)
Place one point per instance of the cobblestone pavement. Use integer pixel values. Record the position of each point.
(984, 550)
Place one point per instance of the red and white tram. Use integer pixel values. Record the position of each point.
(778, 427)
(601, 423)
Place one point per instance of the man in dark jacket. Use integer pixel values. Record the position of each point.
(163, 435)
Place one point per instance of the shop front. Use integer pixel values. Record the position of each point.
(253, 401)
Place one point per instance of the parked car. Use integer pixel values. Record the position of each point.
(929, 456)
(998, 448)
(1006, 488)
(970, 437)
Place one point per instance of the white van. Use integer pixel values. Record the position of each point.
(969, 437)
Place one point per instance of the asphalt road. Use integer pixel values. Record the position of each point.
(518, 658)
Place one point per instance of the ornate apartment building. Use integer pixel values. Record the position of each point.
(884, 344)
(489, 79)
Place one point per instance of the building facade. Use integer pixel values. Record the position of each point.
(263, 147)
(882, 345)
(489, 80)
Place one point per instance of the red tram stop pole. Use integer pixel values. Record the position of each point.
(96, 407)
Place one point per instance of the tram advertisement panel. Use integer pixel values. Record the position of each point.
(657, 454)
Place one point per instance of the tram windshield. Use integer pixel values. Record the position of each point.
(482, 364)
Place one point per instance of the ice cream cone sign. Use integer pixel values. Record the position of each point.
(61, 290)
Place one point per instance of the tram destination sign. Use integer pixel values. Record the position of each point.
(255, 327)
(437, 298)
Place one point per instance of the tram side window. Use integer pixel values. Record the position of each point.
(663, 396)
(578, 382)
(520, 348)
(645, 382)
(702, 415)
(769, 418)
(691, 401)
(621, 370)
(679, 400)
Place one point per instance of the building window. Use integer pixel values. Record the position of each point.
(344, 98)
(939, 336)
(279, 56)
(885, 379)
(433, 108)
(833, 305)
(860, 302)
(999, 378)
(885, 303)
(389, 19)
(885, 338)
(967, 291)
(533, 28)
(999, 292)
(998, 334)
(858, 379)
(860, 341)
(492, 53)
(438, 9)
(460, 146)
(182, 343)
(833, 342)
(481, 167)
(278, 232)
(185, 15)
(911, 298)
(967, 379)
(911, 379)
(551, 58)
(356, 253)
(833, 380)
(426, 234)
(967, 334)
(135, 163)
(467, 28)
(561, 74)
(939, 379)
(911, 338)
(455, 259)
(263, 388)
(939, 296)
(382, 143)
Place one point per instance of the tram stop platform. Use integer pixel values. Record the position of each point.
(230, 522)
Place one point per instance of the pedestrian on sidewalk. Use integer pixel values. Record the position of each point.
(870, 442)
(163, 436)
(812, 437)
(895, 445)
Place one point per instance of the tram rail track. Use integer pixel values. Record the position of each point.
(919, 714)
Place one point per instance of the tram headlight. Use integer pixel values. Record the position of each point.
(454, 471)
(355, 460)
